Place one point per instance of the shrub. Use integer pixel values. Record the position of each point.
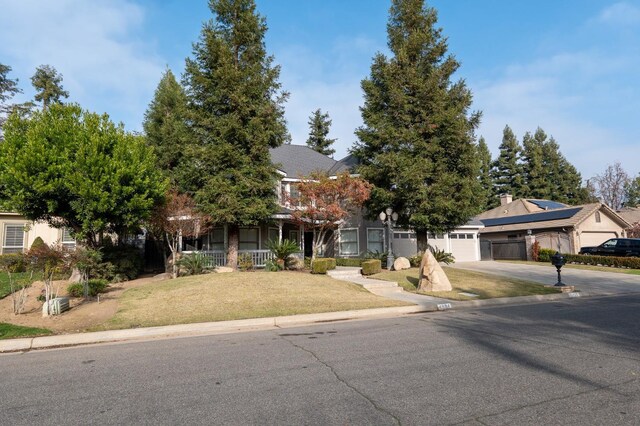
(272, 266)
(319, 266)
(535, 251)
(283, 250)
(193, 263)
(331, 263)
(544, 255)
(245, 262)
(416, 259)
(37, 243)
(127, 262)
(442, 256)
(13, 262)
(372, 266)
(348, 261)
(618, 262)
(96, 286)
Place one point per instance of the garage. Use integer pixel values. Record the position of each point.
(589, 239)
(464, 246)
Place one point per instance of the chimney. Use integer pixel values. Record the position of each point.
(505, 199)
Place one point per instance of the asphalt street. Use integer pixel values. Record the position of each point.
(575, 361)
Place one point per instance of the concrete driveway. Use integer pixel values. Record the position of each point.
(594, 282)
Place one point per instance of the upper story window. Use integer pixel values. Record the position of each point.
(289, 194)
(67, 239)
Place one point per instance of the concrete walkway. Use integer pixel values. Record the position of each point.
(592, 282)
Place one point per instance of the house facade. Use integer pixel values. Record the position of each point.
(357, 237)
(553, 225)
(18, 233)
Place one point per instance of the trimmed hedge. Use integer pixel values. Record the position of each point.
(331, 263)
(544, 254)
(617, 262)
(96, 286)
(349, 261)
(320, 266)
(372, 266)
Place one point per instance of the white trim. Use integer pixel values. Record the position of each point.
(340, 242)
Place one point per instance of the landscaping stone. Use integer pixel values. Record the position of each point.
(401, 264)
(296, 264)
(223, 269)
(432, 277)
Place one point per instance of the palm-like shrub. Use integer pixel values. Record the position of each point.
(282, 251)
(193, 263)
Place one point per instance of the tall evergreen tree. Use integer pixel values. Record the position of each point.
(484, 176)
(165, 126)
(319, 125)
(48, 84)
(632, 193)
(417, 142)
(236, 113)
(8, 89)
(507, 168)
(535, 176)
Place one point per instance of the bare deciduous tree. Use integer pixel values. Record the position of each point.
(610, 185)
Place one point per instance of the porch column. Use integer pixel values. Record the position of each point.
(280, 231)
(226, 237)
(301, 242)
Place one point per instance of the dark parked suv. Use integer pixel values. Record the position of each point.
(615, 247)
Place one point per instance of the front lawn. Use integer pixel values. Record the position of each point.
(486, 286)
(577, 266)
(238, 295)
(10, 331)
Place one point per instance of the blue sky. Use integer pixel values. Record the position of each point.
(570, 67)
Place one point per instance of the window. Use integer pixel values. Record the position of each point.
(375, 240)
(349, 242)
(294, 236)
(273, 234)
(598, 219)
(67, 239)
(216, 239)
(294, 194)
(249, 239)
(13, 239)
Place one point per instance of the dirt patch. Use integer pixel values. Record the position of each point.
(83, 314)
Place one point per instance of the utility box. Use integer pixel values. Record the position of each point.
(56, 306)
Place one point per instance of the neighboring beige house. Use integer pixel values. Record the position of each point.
(17, 233)
(554, 225)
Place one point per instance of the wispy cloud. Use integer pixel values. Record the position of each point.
(622, 13)
(96, 45)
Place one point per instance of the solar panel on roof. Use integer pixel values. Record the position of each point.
(548, 205)
(532, 217)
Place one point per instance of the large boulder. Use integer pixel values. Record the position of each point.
(401, 264)
(432, 277)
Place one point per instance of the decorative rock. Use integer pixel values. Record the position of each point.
(223, 269)
(296, 264)
(432, 277)
(401, 264)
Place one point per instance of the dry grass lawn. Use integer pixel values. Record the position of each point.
(240, 295)
(486, 286)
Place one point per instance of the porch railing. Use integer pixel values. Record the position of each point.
(219, 257)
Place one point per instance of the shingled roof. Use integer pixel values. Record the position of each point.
(300, 160)
(521, 206)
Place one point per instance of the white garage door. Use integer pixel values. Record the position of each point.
(464, 247)
(588, 239)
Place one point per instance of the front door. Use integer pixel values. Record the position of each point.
(308, 244)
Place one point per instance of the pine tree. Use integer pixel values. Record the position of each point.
(563, 180)
(8, 89)
(632, 193)
(165, 126)
(507, 168)
(236, 114)
(535, 176)
(486, 181)
(417, 142)
(48, 84)
(319, 125)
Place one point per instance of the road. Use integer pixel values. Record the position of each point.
(575, 361)
(596, 282)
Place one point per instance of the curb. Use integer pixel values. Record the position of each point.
(201, 329)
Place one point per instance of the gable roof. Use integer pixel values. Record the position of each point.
(557, 218)
(300, 160)
(521, 206)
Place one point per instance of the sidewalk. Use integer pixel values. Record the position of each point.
(391, 290)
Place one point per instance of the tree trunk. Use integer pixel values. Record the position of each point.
(314, 246)
(232, 254)
(423, 241)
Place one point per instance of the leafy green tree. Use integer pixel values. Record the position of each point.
(417, 142)
(319, 125)
(48, 84)
(632, 193)
(507, 169)
(236, 114)
(490, 198)
(76, 169)
(165, 126)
